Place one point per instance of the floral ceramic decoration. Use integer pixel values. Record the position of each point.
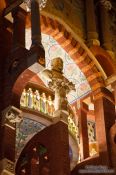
(71, 70)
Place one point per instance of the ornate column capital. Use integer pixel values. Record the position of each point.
(58, 83)
(61, 86)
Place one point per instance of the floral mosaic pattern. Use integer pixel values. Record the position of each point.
(71, 70)
(25, 131)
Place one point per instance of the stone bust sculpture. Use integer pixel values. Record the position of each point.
(58, 83)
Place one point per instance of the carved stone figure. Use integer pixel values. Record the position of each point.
(58, 83)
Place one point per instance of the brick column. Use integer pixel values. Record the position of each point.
(10, 116)
(83, 131)
(105, 118)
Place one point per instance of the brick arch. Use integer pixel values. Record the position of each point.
(104, 59)
(77, 50)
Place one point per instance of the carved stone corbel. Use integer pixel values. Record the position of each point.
(11, 115)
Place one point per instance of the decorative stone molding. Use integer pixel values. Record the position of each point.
(11, 115)
(6, 167)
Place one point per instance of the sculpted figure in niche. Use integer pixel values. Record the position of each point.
(58, 83)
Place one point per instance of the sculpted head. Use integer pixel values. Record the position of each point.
(57, 64)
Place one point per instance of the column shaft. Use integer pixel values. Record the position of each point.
(92, 35)
(35, 21)
(19, 16)
(105, 118)
(83, 132)
(105, 28)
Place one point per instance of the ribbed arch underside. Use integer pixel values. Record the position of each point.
(76, 49)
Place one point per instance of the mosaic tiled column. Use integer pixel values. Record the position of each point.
(105, 118)
(10, 117)
(83, 131)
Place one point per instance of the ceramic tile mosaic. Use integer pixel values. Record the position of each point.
(91, 131)
(25, 131)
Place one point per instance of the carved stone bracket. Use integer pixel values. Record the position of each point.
(11, 115)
